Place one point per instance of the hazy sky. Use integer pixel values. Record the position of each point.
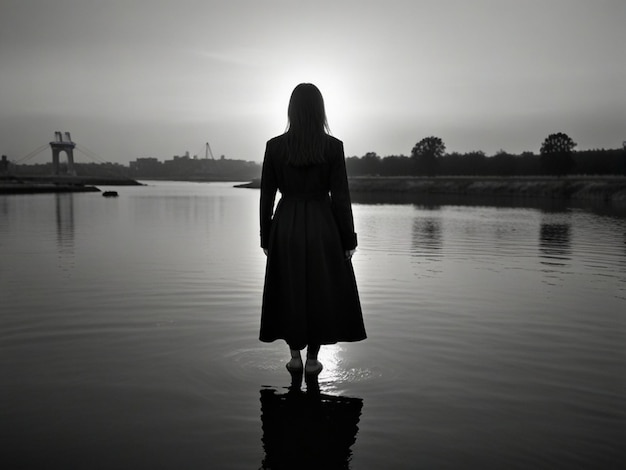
(137, 78)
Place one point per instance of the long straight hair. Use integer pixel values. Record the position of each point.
(308, 127)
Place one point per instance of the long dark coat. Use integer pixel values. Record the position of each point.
(310, 294)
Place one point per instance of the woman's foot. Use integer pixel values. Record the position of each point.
(313, 366)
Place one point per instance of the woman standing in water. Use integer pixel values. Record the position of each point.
(310, 296)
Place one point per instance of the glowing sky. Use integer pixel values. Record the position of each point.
(137, 78)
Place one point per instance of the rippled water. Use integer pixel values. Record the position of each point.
(128, 337)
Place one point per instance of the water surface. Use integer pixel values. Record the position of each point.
(128, 336)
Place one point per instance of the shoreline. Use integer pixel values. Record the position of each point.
(605, 189)
(43, 188)
(610, 189)
(58, 184)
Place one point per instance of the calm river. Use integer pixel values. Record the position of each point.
(128, 337)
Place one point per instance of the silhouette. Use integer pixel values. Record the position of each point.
(308, 429)
(310, 296)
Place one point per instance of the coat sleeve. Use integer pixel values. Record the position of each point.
(340, 197)
(268, 194)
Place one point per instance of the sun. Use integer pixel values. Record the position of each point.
(335, 88)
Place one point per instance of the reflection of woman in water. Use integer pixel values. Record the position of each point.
(310, 296)
(308, 430)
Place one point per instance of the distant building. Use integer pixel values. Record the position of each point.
(185, 167)
(148, 166)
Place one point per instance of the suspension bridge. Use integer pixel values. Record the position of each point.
(62, 143)
(63, 176)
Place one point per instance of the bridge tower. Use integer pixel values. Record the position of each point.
(63, 145)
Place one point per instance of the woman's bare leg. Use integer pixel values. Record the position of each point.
(295, 364)
(313, 366)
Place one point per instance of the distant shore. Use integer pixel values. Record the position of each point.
(39, 188)
(598, 188)
(58, 184)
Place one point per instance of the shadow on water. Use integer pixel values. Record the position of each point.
(307, 429)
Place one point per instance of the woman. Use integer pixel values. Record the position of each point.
(310, 296)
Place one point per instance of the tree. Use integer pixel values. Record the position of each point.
(556, 154)
(426, 152)
(396, 165)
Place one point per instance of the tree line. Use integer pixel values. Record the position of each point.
(429, 158)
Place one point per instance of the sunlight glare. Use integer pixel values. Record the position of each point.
(329, 356)
(334, 87)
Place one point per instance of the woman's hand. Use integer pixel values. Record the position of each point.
(349, 253)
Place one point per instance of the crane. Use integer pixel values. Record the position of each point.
(208, 151)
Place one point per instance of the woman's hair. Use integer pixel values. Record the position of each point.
(307, 129)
